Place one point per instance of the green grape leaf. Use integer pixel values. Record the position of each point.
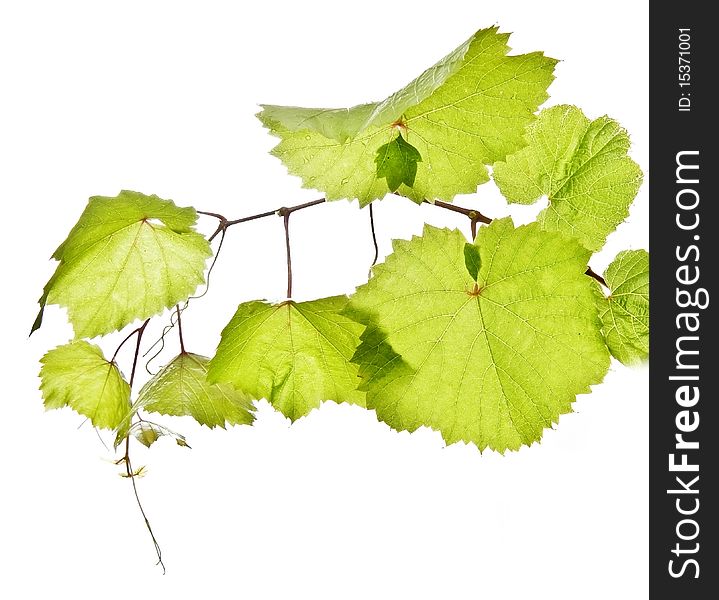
(397, 162)
(147, 434)
(493, 361)
(127, 258)
(181, 389)
(467, 111)
(625, 313)
(78, 375)
(581, 166)
(294, 354)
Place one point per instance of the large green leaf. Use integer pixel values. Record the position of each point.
(78, 375)
(492, 361)
(625, 313)
(127, 258)
(583, 168)
(294, 354)
(467, 111)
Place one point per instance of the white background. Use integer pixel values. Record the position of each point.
(159, 97)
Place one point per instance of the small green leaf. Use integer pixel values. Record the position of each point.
(472, 260)
(147, 435)
(181, 389)
(583, 168)
(294, 354)
(127, 258)
(144, 431)
(78, 375)
(625, 314)
(397, 162)
(493, 361)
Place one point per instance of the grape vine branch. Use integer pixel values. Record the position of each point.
(224, 224)
(130, 473)
(487, 340)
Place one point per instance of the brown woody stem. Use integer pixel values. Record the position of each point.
(596, 276)
(285, 214)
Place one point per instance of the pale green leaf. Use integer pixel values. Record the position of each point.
(181, 389)
(625, 313)
(294, 354)
(78, 375)
(467, 111)
(144, 431)
(127, 258)
(581, 166)
(147, 434)
(493, 361)
(338, 124)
